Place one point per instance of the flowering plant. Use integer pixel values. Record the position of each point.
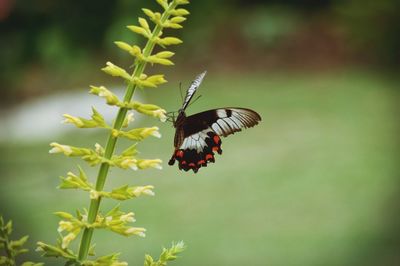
(85, 222)
(12, 248)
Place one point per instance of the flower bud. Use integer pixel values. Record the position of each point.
(150, 131)
(94, 194)
(58, 148)
(128, 217)
(67, 239)
(103, 92)
(139, 30)
(73, 120)
(149, 13)
(123, 46)
(182, 2)
(128, 119)
(99, 149)
(145, 25)
(116, 71)
(64, 215)
(160, 114)
(139, 231)
(165, 54)
(163, 3)
(169, 41)
(129, 163)
(177, 19)
(154, 163)
(156, 60)
(179, 12)
(144, 190)
(65, 226)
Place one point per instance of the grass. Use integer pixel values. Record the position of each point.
(314, 184)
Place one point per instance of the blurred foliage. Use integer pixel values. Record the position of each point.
(267, 26)
(374, 28)
(315, 183)
(60, 40)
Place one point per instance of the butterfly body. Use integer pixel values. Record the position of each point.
(197, 137)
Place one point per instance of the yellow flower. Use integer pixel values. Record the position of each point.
(139, 231)
(58, 148)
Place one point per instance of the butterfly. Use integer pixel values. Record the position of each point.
(198, 137)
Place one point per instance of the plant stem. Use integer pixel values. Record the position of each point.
(111, 142)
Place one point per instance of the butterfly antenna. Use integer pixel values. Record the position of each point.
(198, 97)
(171, 116)
(180, 90)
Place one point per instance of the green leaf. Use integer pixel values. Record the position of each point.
(21, 251)
(148, 260)
(121, 193)
(55, 251)
(166, 255)
(4, 261)
(15, 244)
(108, 260)
(82, 174)
(73, 181)
(130, 151)
(98, 118)
(115, 211)
(91, 250)
(8, 227)
(29, 263)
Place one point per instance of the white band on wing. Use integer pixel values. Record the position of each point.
(193, 87)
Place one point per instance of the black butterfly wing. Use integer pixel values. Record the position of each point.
(198, 137)
(223, 121)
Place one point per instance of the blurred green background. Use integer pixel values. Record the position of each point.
(316, 183)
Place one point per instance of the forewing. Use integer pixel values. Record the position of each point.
(223, 121)
(192, 89)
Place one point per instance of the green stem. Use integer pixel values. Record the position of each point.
(111, 142)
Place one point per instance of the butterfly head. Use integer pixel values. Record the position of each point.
(176, 117)
(180, 118)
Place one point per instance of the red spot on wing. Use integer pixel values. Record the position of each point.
(209, 156)
(191, 159)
